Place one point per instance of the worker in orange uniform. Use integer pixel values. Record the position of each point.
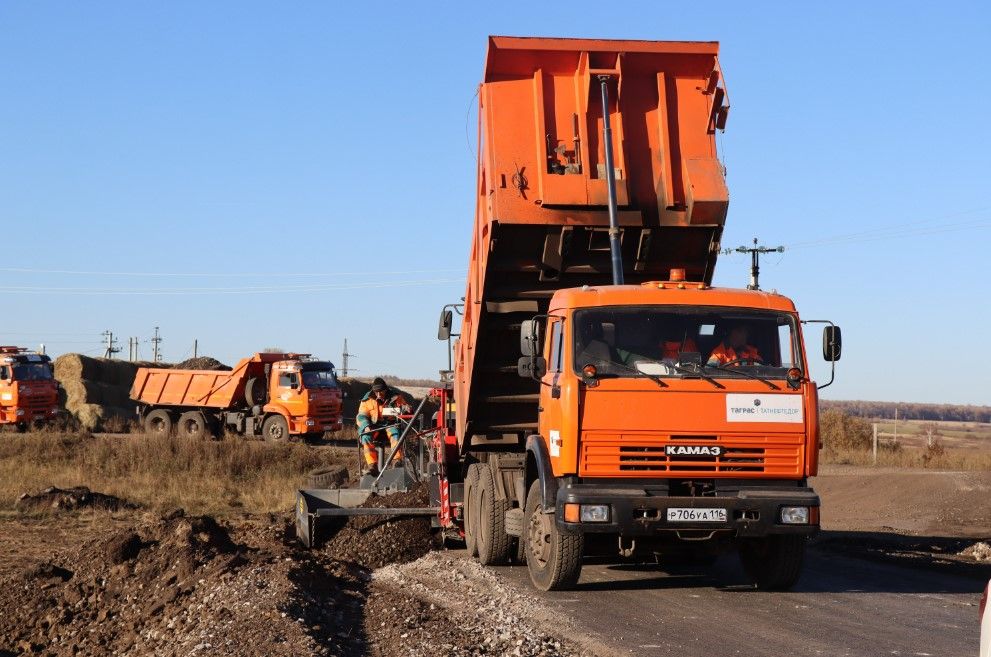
(676, 341)
(372, 422)
(734, 348)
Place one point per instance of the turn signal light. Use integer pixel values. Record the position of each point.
(589, 371)
(677, 275)
(572, 512)
(794, 375)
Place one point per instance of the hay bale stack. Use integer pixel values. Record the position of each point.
(97, 391)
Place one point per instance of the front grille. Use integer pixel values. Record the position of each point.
(750, 455)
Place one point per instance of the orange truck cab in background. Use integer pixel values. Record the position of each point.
(591, 417)
(272, 395)
(28, 390)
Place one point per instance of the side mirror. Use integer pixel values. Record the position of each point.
(832, 343)
(444, 325)
(531, 367)
(530, 337)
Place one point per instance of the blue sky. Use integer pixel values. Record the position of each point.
(246, 144)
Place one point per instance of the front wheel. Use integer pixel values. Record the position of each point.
(275, 429)
(553, 557)
(774, 563)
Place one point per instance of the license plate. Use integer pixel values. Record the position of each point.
(696, 515)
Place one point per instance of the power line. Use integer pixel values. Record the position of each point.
(27, 289)
(29, 270)
(910, 229)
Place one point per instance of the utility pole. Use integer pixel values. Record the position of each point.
(344, 359)
(755, 252)
(196, 347)
(155, 341)
(112, 347)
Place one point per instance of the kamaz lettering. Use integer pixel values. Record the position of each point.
(693, 450)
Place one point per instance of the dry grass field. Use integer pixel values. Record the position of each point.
(937, 445)
(223, 477)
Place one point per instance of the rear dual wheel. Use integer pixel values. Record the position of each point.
(193, 425)
(158, 423)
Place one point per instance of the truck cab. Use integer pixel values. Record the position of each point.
(306, 391)
(677, 417)
(28, 390)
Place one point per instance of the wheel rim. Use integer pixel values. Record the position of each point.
(158, 425)
(539, 539)
(276, 431)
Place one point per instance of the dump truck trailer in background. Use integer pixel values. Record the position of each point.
(271, 395)
(587, 415)
(28, 389)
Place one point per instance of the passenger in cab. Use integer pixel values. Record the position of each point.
(735, 348)
(675, 340)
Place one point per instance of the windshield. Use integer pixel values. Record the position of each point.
(319, 376)
(664, 341)
(32, 372)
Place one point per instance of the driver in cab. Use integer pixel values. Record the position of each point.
(734, 349)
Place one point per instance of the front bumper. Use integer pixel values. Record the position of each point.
(751, 511)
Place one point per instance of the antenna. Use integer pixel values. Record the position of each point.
(755, 252)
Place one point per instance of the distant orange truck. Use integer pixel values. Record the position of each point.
(271, 395)
(28, 390)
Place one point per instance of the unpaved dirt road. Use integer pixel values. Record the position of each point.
(841, 606)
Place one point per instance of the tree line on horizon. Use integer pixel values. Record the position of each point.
(911, 411)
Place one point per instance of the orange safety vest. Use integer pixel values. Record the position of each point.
(671, 348)
(370, 408)
(724, 354)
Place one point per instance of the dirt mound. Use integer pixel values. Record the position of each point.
(70, 499)
(202, 363)
(980, 551)
(376, 541)
(116, 591)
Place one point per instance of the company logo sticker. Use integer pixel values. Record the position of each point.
(764, 408)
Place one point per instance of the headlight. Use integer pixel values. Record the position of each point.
(795, 515)
(595, 513)
(20, 411)
(310, 423)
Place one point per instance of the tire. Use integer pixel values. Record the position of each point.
(158, 423)
(553, 557)
(774, 563)
(494, 547)
(275, 429)
(254, 391)
(193, 425)
(331, 476)
(471, 531)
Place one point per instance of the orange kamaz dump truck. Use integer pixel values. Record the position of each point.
(28, 390)
(609, 400)
(271, 395)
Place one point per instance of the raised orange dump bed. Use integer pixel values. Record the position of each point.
(205, 388)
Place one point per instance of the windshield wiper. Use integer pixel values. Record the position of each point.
(696, 372)
(655, 379)
(737, 370)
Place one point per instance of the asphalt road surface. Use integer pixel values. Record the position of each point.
(841, 606)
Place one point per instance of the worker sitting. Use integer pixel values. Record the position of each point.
(675, 341)
(372, 423)
(734, 349)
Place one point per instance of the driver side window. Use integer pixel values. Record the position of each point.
(287, 380)
(554, 363)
